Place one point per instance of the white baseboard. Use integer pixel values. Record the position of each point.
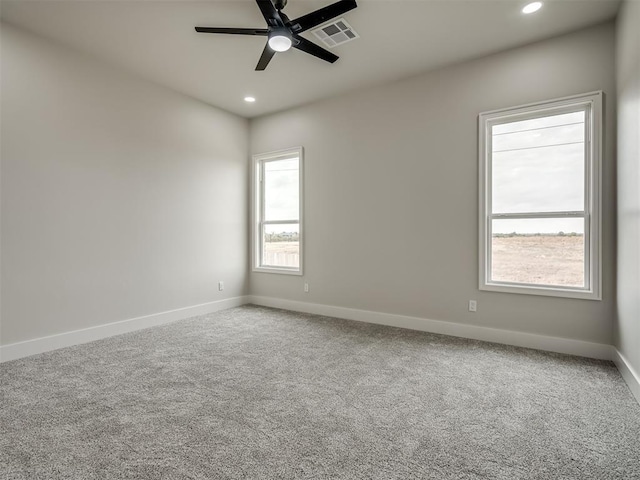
(508, 337)
(40, 345)
(628, 373)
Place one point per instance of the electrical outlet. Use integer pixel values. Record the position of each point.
(220, 286)
(306, 288)
(473, 305)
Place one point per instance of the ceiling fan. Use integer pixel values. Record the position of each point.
(283, 33)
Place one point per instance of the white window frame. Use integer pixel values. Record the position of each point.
(592, 103)
(257, 202)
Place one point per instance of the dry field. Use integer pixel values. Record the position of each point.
(282, 254)
(544, 259)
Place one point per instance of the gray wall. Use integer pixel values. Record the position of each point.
(391, 205)
(627, 331)
(119, 198)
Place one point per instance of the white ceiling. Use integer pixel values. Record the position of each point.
(398, 38)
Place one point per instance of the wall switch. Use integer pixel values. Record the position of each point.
(473, 305)
(220, 286)
(306, 288)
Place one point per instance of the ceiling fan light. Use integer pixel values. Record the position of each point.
(532, 7)
(280, 43)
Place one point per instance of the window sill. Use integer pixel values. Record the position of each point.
(544, 291)
(281, 271)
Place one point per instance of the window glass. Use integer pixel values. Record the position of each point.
(538, 170)
(281, 245)
(538, 251)
(281, 196)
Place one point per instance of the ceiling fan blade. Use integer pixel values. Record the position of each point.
(270, 13)
(234, 31)
(314, 19)
(265, 58)
(313, 49)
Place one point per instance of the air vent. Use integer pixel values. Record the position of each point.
(335, 33)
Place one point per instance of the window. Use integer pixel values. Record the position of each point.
(277, 212)
(540, 198)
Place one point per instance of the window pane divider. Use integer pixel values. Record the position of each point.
(280, 222)
(568, 214)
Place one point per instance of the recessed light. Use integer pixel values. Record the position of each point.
(249, 99)
(532, 7)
